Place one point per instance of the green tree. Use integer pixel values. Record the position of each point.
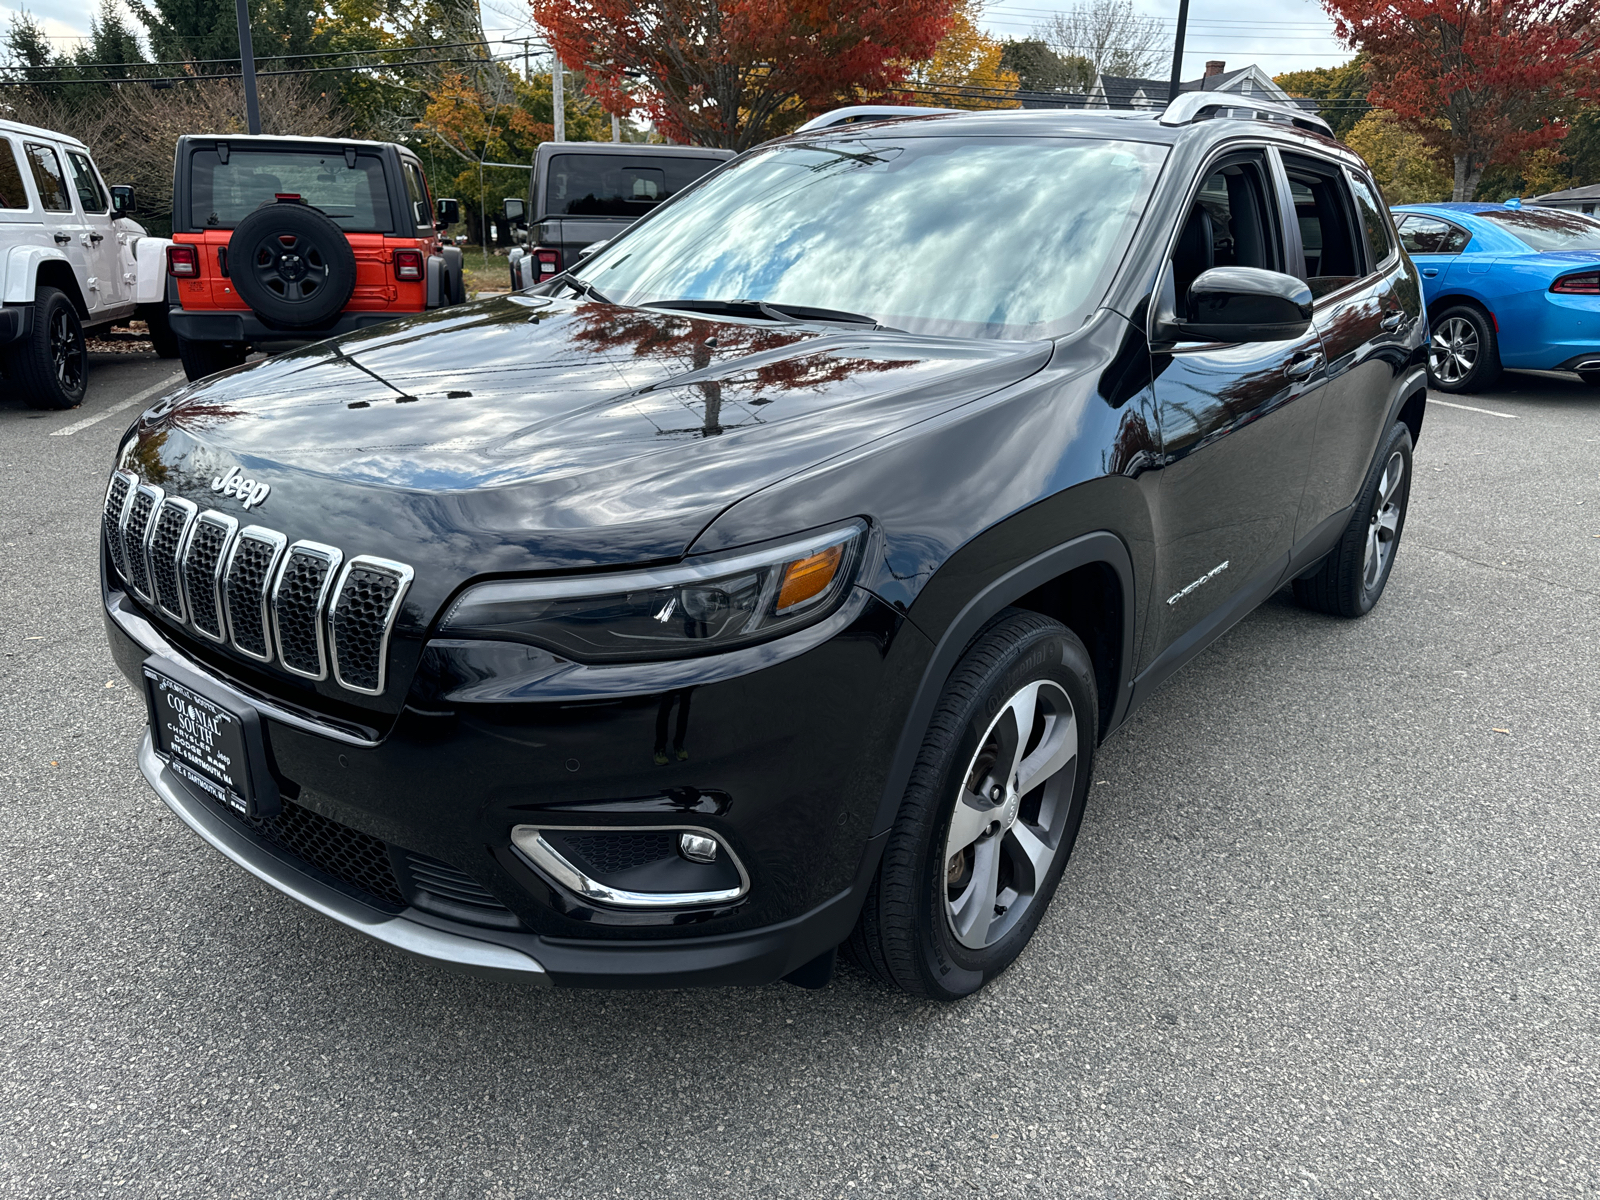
(1407, 169)
(1343, 90)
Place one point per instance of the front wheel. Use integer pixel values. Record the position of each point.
(989, 816)
(1463, 350)
(207, 358)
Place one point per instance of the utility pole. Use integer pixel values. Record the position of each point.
(247, 65)
(616, 128)
(558, 98)
(1177, 50)
(527, 70)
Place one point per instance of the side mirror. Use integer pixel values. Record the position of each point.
(516, 211)
(1244, 304)
(122, 202)
(449, 211)
(591, 248)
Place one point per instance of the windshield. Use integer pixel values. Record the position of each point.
(950, 236)
(223, 193)
(608, 185)
(1548, 229)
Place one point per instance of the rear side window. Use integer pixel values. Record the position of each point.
(221, 194)
(417, 193)
(48, 179)
(1430, 235)
(1379, 244)
(12, 194)
(608, 185)
(1548, 229)
(1323, 209)
(91, 196)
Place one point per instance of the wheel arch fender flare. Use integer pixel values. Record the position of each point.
(23, 266)
(1410, 403)
(1097, 548)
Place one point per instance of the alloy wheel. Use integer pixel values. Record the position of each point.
(1384, 527)
(66, 352)
(1010, 815)
(1454, 351)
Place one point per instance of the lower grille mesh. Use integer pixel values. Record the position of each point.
(350, 856)
(609, 853)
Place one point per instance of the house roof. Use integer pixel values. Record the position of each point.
(1587, 192)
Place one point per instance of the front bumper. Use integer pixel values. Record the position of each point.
(247, 327)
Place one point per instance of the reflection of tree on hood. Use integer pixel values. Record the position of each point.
(697, 344)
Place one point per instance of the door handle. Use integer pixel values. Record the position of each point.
(62, 239)
(1304, 365)
(97, 238)
(1392, 322)
(1430, 272)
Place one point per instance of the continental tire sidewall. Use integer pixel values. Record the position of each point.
(1044, 650)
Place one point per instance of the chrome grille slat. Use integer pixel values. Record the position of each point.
(135, 524)
(365, 604)
(203, 555)
(164, 546)
(118, 492)
(298, 597)
(247, 580)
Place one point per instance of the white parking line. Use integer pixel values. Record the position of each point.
(1488, 412)
(114, 409)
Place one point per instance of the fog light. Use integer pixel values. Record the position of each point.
(697, 848)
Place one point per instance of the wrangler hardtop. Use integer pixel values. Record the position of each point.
(584, 193)
(286, 240)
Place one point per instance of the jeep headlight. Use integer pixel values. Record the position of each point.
(704, 605)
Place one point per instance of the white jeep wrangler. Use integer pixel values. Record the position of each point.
(70, 260)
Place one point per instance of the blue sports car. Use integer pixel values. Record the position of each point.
(1506, 286)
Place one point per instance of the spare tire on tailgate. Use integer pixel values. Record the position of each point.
(292, 265)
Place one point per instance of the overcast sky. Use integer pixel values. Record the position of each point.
(1279, 35)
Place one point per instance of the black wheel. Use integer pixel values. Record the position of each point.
(51, 365)
(160, 326)
(292, 265)
(207, 358)
(1463, 351)
(1351, 579)
(989, 816)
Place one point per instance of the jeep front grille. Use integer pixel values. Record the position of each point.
(253, 591)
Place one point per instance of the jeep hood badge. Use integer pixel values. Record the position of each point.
(233, 483)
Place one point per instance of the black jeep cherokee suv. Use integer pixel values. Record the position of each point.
(764, 585)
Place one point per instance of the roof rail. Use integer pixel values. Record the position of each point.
(1186, 109)
(869, 112)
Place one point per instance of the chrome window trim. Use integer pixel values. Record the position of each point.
(114, 539)
(404, 575)
(230, 528)
(157, 495)
(190, 510)
(550, 860)
(333, 556)
(277, 541)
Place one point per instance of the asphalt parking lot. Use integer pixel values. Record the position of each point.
(1332, 928)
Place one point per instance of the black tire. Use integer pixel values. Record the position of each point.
(1347, 584)
(51, 365)
(907, 935)
(1463, 350)
(207, 358)
(292, 265)
(162, 338)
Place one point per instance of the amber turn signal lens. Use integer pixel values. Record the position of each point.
(809, 576)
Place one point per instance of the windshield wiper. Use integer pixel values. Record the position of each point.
(792, 314)
(579, 286)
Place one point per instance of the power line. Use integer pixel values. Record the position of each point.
(171, 79)
(195, 62)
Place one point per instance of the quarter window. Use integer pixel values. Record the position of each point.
(12, 194)
(1429, 235)
(90, 194)
(1379, 245)
(48, 179)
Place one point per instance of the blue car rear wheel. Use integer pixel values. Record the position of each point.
(1463, 352)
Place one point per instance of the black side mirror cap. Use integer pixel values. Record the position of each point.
(1245, 304)
(516, 210)
(122, 201)
(449, 211)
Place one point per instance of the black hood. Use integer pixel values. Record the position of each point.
(544, 434)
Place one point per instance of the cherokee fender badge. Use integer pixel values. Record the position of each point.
(1206, 578)
(248, 491)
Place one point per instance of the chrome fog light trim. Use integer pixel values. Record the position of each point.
(529, 839)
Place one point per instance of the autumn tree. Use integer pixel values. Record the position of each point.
(966, 70)
(1342, 91)
(1406, 167)
(1483, 81)
(734, 72)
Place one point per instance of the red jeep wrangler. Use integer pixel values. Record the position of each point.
(282, 241)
